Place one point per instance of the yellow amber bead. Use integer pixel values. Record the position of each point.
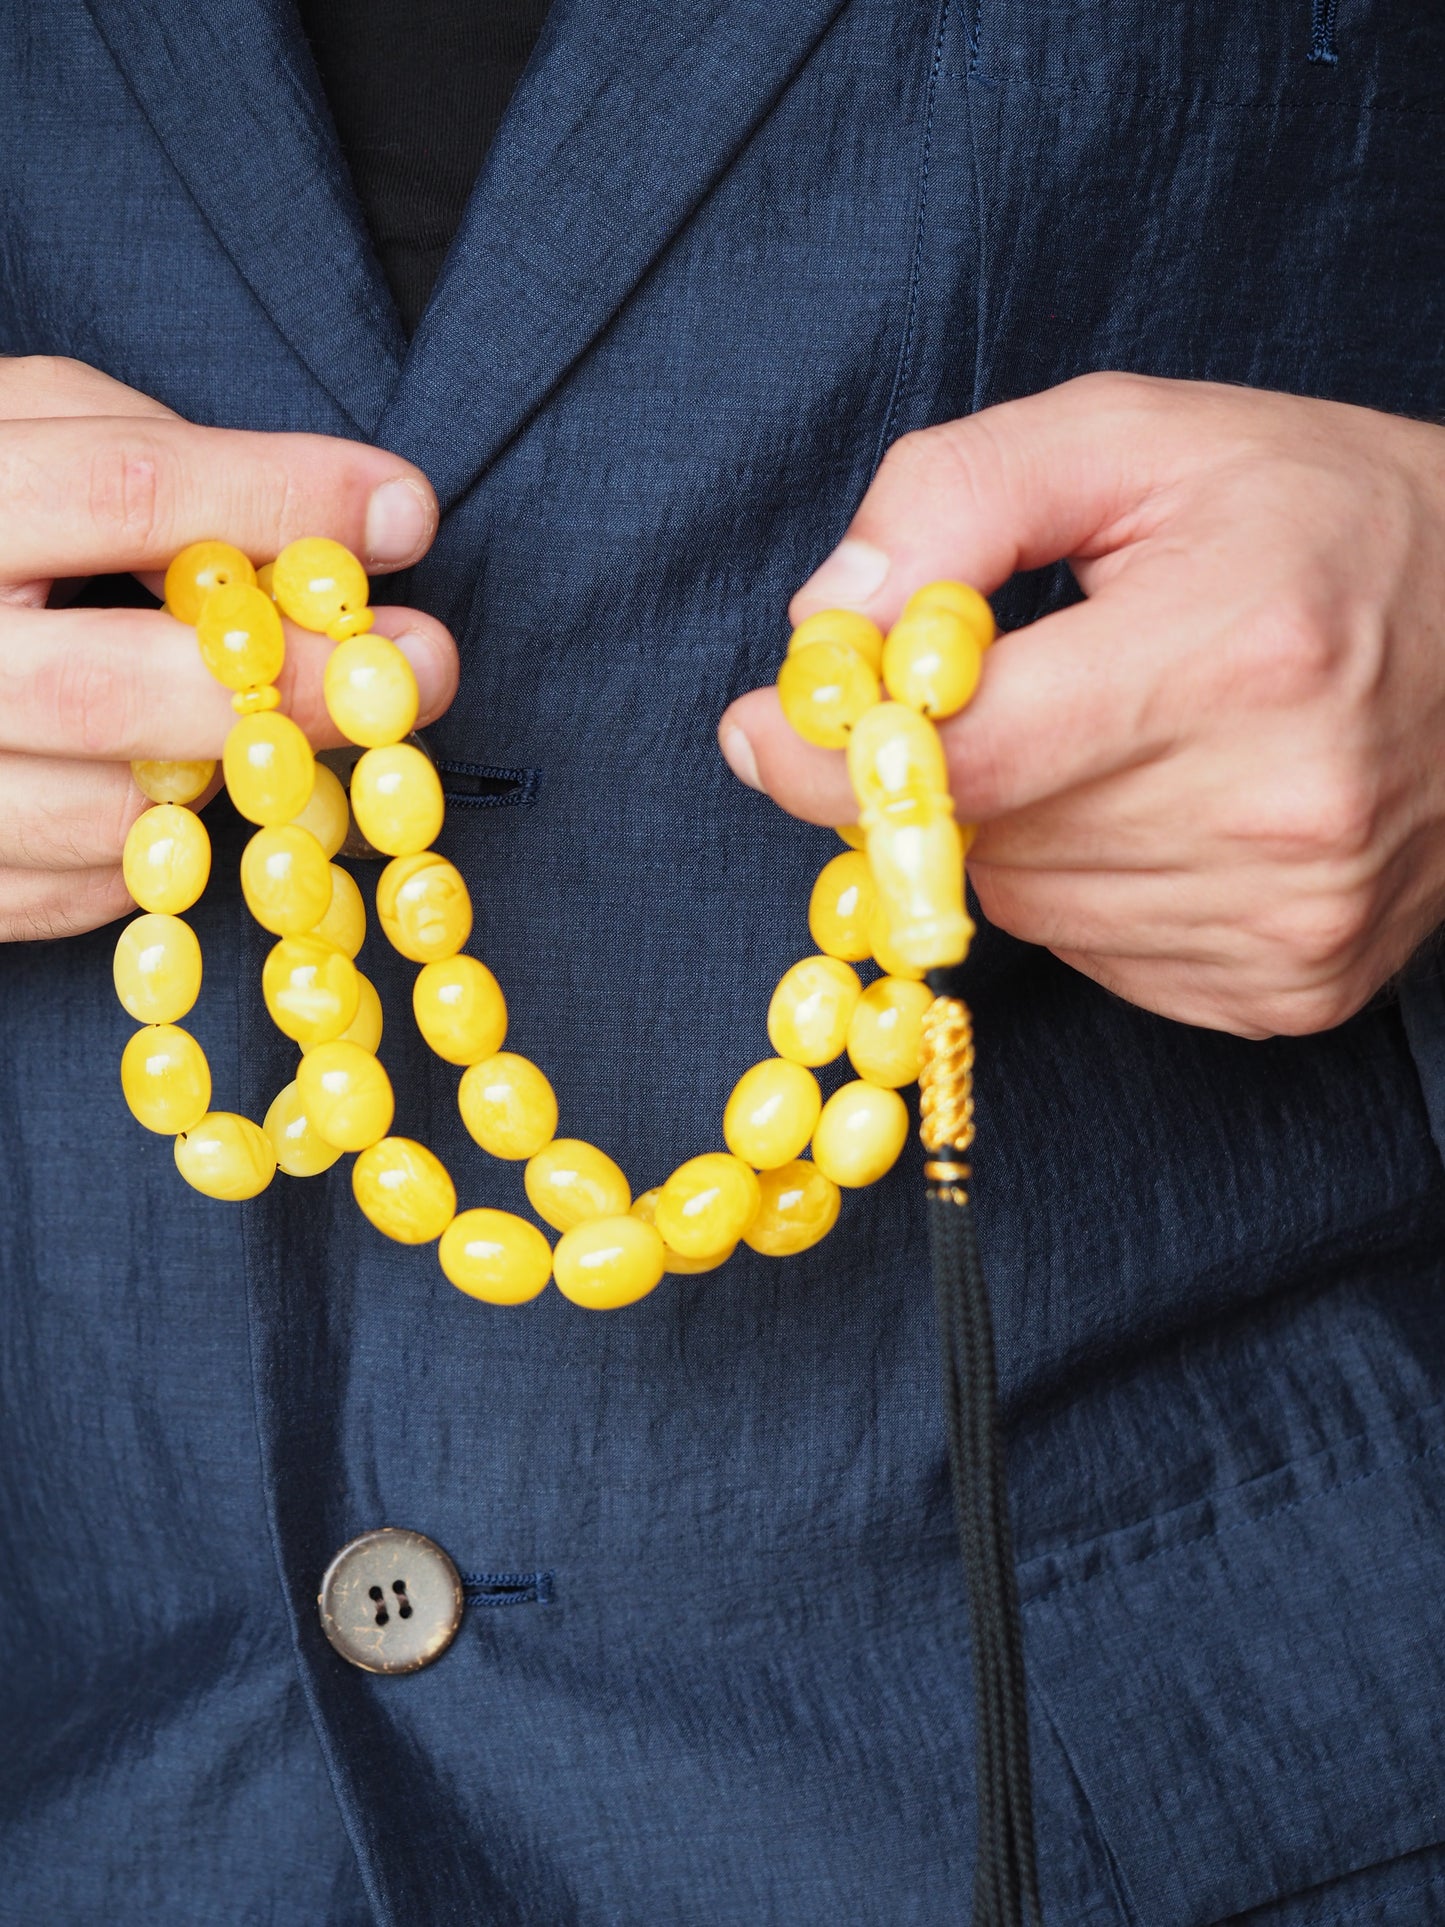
(405, 1190)
(799, 1208)
(327, 813)
(166, 1079)
(884, 954)
(824, 689)
(270, 771)
(241, 639)
(568, 1182)
(300, 1149)
(396, 798)
(843, 626)
(157, 969)
(365, 1027)
(424, 906)
(885, 1037)
(200, 568)
(841, 905)
(460, 1009)
(809, 1012)
(860, 1134)
(508, 1105)
(346, 1094)
(645, 1208)
(263, 579)
(311, 990)
(771, 1113)
(608, 1262)
(165, 782)
(495, 1256)
(285, 880)
(226, 1156)
(893, 753)
(315, 581)
(854, 835)
(355, 622)
(251, 702)
(371, 693)
(707, 1203)
(344, 921)
(167, 858)
(960, 600)
(932, 661)
(915, 851)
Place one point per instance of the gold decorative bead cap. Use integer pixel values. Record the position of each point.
(945, 1081)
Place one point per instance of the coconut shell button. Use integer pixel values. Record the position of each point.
(391, 1601)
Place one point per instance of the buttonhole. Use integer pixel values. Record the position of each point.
(507, 1588)
(488, 786)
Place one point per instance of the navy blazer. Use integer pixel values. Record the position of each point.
(713, 1667)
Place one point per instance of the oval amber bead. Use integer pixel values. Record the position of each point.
(396, 798)
(200, 568)
(344, 921)
(810, 1010)
(171, 782)
(315, 581)
(327, 814)
(645, 1208)
(885, 1037)
(269, 768)
(843, 626)
(495, 1256)
(371, 693)
(285, 880)
(568, 1182)
(157, 968)
(799, 1208)
(960, 600)
(841, 905)
(854, 835)
(167, 859)
(508, 1105)
(608, 1262)
(240, 636)
(346, 1094)
(707, 1203)
(860, 1134)
(771, 1113)
(226, 1156)
(405, 1190)
(300, 1149)
(424, 906)
(880, 939)
(460, 1009)
(824, 689)
(365, 1027)
(166, 1079)
(311, 990)
(932, 662)
(894, 752)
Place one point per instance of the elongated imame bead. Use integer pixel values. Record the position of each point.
(344, 921)
(841, 905)
(346, 1094)
(495, 1256)
(311, 990)
(165, 1079)
(860, 1134)
(960, 600)
(893, 753)
(167, 859)
(824, 689)
(240, 636)
(608, 1262)
(799, 1208)
(171, 782)
(885, 956)
(771, 1113)
(301, 1151)
(199, 569)
(316, 581)
(460, 1009)
(327, 814)
(843, 626)
(371, 693)
(365, 1027)
(424, 906)
(285, 880)
(885, 1036)
(269, 768)
(157, 968)
(568, 1182)
(405, 1190)
(673, 1262)
(915, 852)
(508, 1105)
(810, 1009)
(707, 1203)
(396, 798)
(226, 1156)
(932, 661)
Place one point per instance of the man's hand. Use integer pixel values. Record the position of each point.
(97, 479)
(1217, 786)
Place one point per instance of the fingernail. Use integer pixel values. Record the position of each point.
(738, 755)
(853, 572)
(433, 676)
(399, 520)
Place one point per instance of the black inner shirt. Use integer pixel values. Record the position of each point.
(417, 90)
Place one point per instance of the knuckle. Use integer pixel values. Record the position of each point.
(88, 699)
(1320, 932)
(1291, 651)
(1302, 1012)
(132, 492)
(1327, 816)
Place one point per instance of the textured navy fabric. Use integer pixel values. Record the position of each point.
(721, 253)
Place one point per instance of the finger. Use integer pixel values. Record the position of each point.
(99, 495)
(765, 752)
(1151, 914)
(37, 387)
(38, 905)
(57, 815)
